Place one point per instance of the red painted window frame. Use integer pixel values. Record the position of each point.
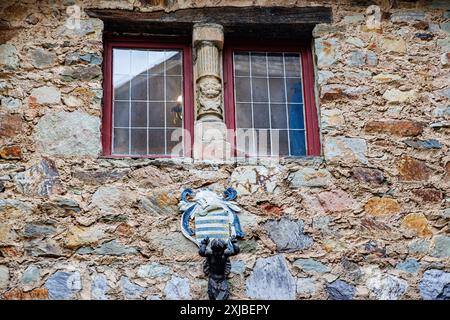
(311, 116)
(131, 43)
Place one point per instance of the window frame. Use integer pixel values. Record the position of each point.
(188, 103)
(313, 147)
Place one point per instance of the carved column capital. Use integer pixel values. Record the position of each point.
(210, 32)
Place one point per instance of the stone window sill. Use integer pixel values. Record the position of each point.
(306, 160)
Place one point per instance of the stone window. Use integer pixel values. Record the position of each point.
(269, 101)
(148, 107)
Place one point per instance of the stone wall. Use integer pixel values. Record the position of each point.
(368, 220)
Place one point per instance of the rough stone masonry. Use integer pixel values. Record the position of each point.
(369, 219)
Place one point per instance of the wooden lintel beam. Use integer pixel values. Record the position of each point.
(226, 16)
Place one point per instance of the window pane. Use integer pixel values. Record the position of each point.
(278, 116)
(297, 141)
(174, 142)
(296, 116)
(277, 92)
(174, 114)
(245, 141)
(241, 64)
(139, 62)
(263, 138)
(121, 61)
(156, 114)
(275, 61)
(156, 61)
(156, 141)
(259, 66)
(139, 88)
(147, 99)
(259, 87)
(121, 87)
(294, 90)
(261, 115)
(292, 65)
(242, 88)
(139, 114)
(282, 141)
(120, 142)
(173, 63)
(173, 88)
(155, 88)
(138, 141)
(243, 115)
(121, 113)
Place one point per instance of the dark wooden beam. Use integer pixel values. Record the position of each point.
(226, 16)
(265, 22)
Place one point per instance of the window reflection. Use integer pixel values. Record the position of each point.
(147, 100)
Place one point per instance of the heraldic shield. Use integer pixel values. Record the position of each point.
(215, 217)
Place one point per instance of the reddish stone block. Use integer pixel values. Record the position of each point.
(11, 152)
(9, 251)
(418, 223)
(10, 125)
(368, 175)
(332, 93)
(382, 206)
(124, 230)
(429, 194)
(271, 209)
(403, 128)
(36, 294)
(336, 201)
(410, 169)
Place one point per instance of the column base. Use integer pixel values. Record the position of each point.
(210, 141)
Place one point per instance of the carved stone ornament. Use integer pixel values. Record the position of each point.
(214, 216)
(209, 96)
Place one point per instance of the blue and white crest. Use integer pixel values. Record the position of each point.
(214, 216)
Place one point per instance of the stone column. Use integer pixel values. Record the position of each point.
(210, 132)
